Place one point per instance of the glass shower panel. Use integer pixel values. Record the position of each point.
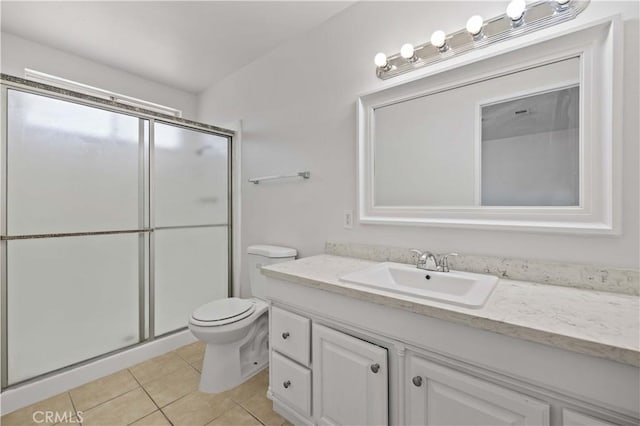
(70, 299)
(191, 268)
(191, 183)
(72, 168)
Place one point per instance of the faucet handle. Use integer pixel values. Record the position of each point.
(422, 257)
(444, 261)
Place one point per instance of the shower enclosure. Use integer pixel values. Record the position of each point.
(115, 225)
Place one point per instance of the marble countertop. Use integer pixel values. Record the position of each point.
(601, 324)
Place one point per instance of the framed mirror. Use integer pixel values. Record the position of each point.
(525, 139)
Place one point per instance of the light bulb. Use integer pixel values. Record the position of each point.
(474, 25)
(515, 9)
(561, 5)
(380, 60)
(407, 51)
(439, 39)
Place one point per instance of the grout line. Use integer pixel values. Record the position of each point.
(75, 410)
(103, 402)
(152, 400)
(251, 414)
(221, 414)
(176, 400)
(151, 414)
(184, 359)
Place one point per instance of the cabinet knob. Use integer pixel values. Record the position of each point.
(287, 384)
(285, 335)
(417, 381)
(375, 367)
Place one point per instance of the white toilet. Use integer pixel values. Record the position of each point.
(236, 330)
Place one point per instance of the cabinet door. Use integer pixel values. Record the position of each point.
(349, 379)
(438, 395)
(573, 418)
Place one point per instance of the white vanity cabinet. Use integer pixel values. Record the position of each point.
(573, 418)
(347, 361)
(347, 376)
(350, 379)
(437, 395)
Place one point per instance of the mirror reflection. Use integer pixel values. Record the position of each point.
(530, 150)
(508, 140)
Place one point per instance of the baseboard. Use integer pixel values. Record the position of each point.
(23, 395)
(289, 414)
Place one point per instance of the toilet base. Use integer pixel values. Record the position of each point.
(225, 366)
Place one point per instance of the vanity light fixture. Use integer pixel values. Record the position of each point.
(515, 11)
(439, 40)
(561, 5)
(519, 18)
(408, 52)
(474, 27)
(381, 62)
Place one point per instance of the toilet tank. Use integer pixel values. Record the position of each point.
(262, 255)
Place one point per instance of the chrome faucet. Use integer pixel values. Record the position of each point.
(443, 263)
(429, 262)
(426, 260)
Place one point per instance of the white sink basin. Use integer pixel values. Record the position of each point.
(459, 288)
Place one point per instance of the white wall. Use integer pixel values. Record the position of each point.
(298, 109)
(19, 53)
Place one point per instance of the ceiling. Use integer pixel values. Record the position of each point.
(546, 112)
(185, 44)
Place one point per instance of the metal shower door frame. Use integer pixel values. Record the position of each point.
(146, 216)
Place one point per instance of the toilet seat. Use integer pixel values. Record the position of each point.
(224, 311)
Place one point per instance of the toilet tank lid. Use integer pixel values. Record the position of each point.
(271, 251)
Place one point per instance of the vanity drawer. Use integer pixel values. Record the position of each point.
(291, 335)
(291, 383)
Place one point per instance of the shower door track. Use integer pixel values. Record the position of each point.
(146, 190)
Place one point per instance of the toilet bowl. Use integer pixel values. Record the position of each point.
(235, 330)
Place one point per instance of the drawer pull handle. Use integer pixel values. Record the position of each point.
(417, 381)
(375, 367)
(287, 384)
(285, 335)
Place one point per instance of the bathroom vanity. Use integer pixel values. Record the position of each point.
(534, 354)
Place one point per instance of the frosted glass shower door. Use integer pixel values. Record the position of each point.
(72, 171)
(68, 166)
(191, 235)
(70, 299)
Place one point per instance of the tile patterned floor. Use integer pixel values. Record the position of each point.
(158, 392)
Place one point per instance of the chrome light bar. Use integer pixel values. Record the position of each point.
(518, 20)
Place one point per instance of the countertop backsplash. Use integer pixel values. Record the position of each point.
(593, 277)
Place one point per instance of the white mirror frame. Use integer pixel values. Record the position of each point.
(599, 44)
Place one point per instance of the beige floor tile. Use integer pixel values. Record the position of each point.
(95, 393)
(174, 385)
(154, 419)
(258, 383)
(122, 410)
(35, 414)
(198, 365)
(287, 423)
(193, 354)
(157, 367)
(237, 416)
(262, 408)
(197, 408)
